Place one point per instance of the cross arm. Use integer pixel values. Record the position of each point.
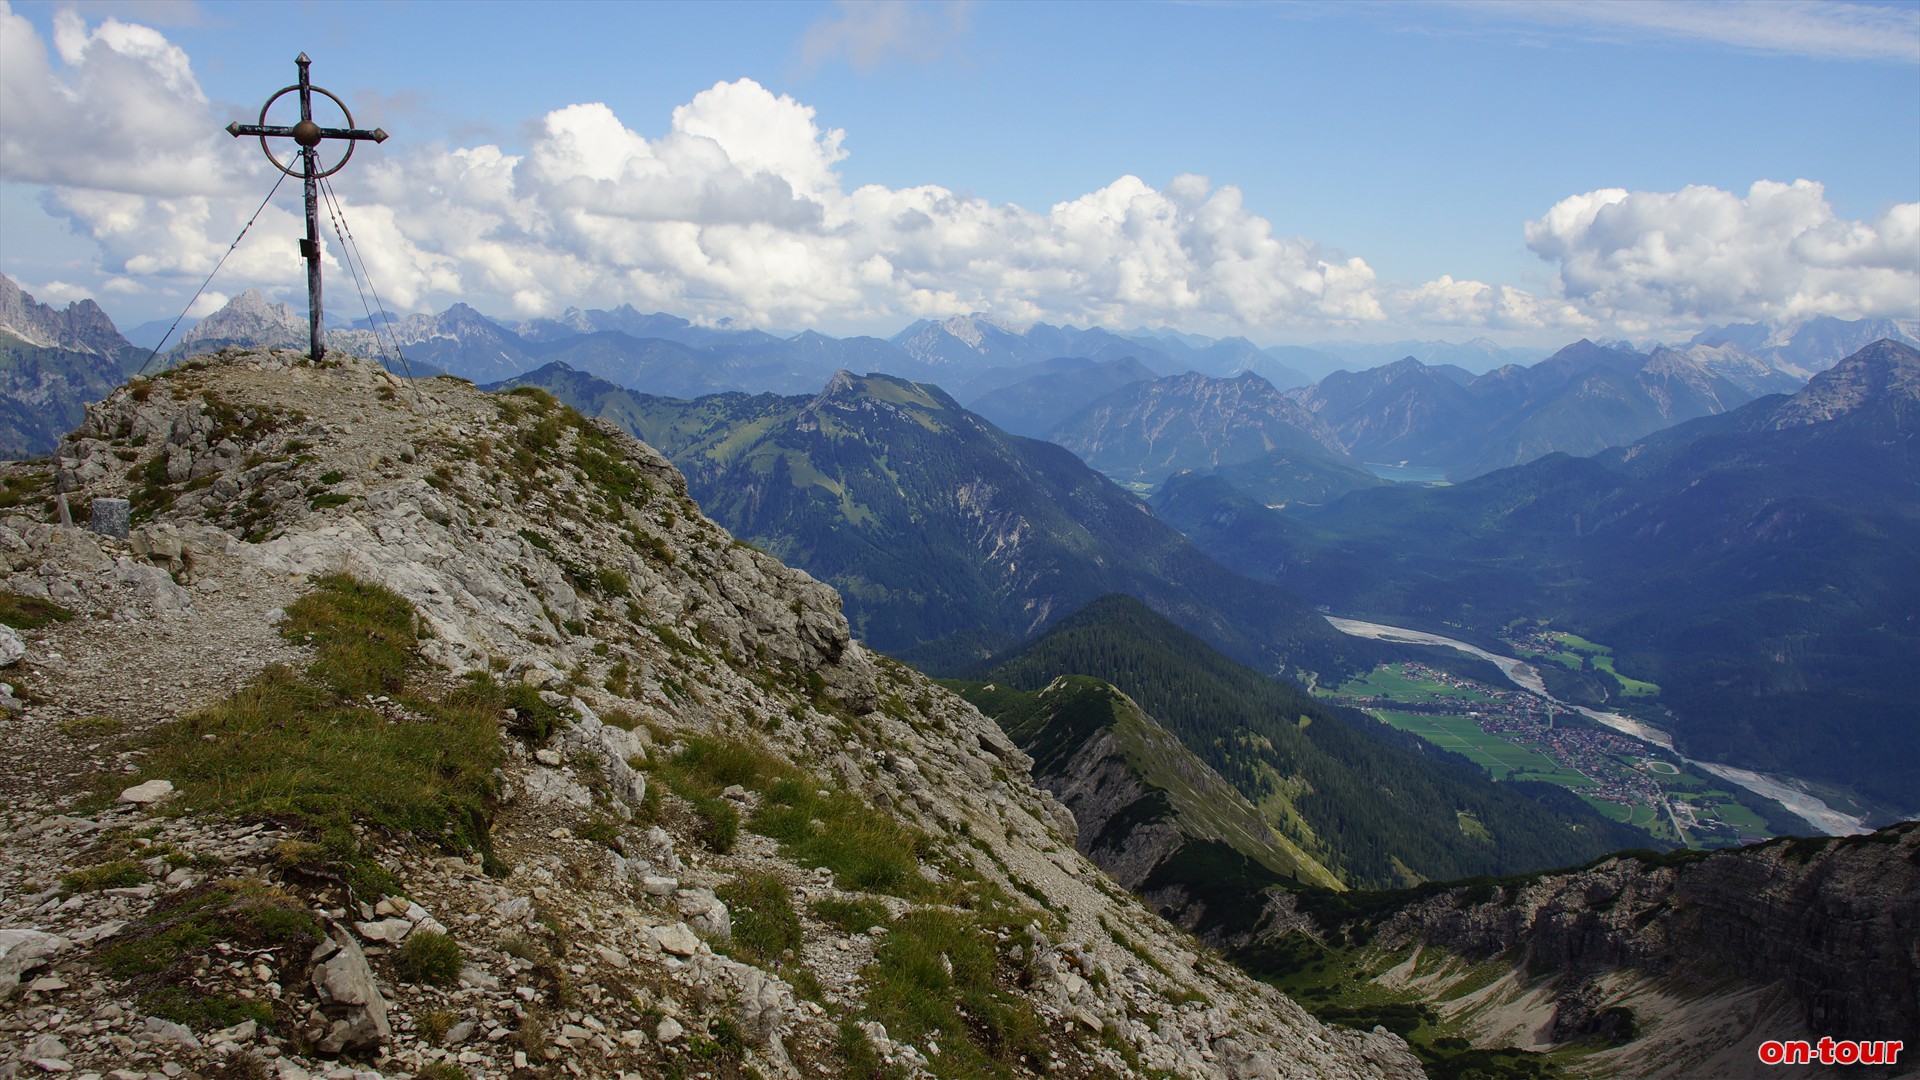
(238, 129)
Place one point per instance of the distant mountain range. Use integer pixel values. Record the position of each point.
(52, 362)
(1055, 390)
(1808, 346)
(1757, 564)
(948, 538)
(1428, 409)
(1579, 401)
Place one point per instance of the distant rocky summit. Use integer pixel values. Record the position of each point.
(416, 731)
(52, 363)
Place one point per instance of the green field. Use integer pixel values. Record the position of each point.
(1390, 681)
(1736, 815)
(1718, 813)
(1633, 814)
(1505, 760)
(1579, 649)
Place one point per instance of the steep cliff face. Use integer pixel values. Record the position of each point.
(441, 731)
(1677, 965)
(81, 327)
(1831, 919)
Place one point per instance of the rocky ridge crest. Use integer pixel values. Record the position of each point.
(594, 932)
(80, 327)
(1680, 964)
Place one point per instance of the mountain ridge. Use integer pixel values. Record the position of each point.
(949, 538)
(663, 797)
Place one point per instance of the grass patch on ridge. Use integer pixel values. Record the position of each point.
(307, 749)
(939, 971)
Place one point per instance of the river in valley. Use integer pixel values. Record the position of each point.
(1783, 790)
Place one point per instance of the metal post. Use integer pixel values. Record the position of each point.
(312, 252)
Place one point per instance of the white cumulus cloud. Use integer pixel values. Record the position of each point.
(1475, 304)
(124, 112)
(1704, 254)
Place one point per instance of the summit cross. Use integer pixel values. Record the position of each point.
(308, 135)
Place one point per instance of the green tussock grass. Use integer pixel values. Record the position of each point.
(765, 927)
(430, 957)
(766, 930)
(851, 916)
(162, 948)
(305, 749)
(939, 971)
(118, 874)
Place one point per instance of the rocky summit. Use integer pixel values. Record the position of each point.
(410, 730)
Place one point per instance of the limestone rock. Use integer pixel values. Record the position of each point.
(110, 517)
(385, 931)
(705, 914)
(22, 951)
(152, 791)
(168, 1031)
(677, 939)
(355, 1014)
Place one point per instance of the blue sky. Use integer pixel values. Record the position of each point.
(1292, 172)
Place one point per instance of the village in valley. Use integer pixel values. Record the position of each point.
(1516, 734)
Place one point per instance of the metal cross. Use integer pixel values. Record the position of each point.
(308, 135)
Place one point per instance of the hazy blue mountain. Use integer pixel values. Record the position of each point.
(460, 341)
(1232, 356)
(1743, 369)
(947, 537)
(1058, 388)
(640, 325)
(1289, 478)
(1274, 371)
(1142, 433)
(1312, 363)
(1477, 355)
(148, 334)
(1582, 399)
(1758, 565)
(1390, 413)
(967, 343)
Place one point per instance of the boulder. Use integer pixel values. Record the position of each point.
(676, 939)
(354, 1015)
(705, 913)
(22, 951)
(112, 517)
(152, 791)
